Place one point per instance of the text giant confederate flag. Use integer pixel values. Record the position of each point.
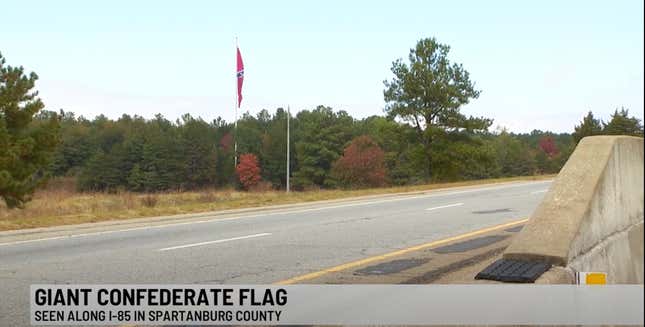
(240, 77)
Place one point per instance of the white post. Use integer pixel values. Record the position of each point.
(288, 114)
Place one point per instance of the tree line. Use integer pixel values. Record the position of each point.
(620, 123)
(423, 137)
(329, 149)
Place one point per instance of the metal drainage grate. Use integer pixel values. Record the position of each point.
(515, 271)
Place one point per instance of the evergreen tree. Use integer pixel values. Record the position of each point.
(199, 157)
(273, 156)
(320, 136)
(136, 179)
(224, 168)
(621, 124)
(161, 157)
(514, 157)
(428, 93)
(27, 139)
(75, 147)
(249, 134)
(589, 126)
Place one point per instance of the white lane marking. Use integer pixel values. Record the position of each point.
(107, 232)
(216, 220)
(446, 206)
(214, 242)
(538, 192)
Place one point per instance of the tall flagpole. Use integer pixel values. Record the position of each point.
(288, 141)
(236, 104)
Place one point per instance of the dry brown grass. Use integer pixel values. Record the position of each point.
(60, 204)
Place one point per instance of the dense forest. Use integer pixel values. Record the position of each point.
(152, 155)
(328, 149)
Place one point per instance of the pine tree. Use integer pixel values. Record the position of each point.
(320, 136)
(27, 139)
(199, 156)
(428, 93)
(589, 126)
(622, 124)
(273, 155)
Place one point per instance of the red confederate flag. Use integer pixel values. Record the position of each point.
(240, 77)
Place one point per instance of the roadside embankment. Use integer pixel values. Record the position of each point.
(591, 219)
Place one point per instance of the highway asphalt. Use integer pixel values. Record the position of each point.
(256, 247)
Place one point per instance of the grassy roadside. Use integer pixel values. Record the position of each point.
(59, 204)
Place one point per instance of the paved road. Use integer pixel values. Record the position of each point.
(257, 247)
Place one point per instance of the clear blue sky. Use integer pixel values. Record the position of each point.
(540, 64)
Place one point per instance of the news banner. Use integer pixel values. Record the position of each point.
(119, 299)
(190, 304)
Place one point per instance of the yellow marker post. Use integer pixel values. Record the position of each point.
(591, 278)
(596, 278)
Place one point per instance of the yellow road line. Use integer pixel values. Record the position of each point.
(357, 263)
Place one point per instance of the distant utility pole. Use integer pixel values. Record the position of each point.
(288, 114)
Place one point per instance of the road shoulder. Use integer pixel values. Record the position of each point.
(454, 260)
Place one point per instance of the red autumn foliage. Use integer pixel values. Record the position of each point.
(248, 171)
(547, 144)
(361, 165)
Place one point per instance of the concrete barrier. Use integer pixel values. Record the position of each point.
(591, 219)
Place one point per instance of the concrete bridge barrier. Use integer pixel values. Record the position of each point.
(591, 219)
